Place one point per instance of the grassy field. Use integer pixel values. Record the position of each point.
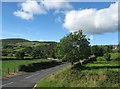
(97, 74)
(14, 64)
(115, 56)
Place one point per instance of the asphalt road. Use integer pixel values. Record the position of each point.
(28, 80)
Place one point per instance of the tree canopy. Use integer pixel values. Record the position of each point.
(73, 47)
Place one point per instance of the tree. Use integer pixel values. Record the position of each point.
(28, 50)
(36, 52)
(4, 52)
(74, 47)
(107, 56)
(97, 50)
(107, 49)
(20, 54)
(40, 51)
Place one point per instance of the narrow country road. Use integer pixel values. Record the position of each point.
(28, 80)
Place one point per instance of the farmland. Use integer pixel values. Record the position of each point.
(102, 70)
(96, 74)
(14, 64)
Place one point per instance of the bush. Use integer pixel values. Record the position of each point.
(38, 66)
(101, 59)
(107, 56)
(20, 54)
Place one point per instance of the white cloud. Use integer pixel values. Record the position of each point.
(58, 19)
(31, 6)
(93, 21)
(56, 4)
(23, 15)
(28, 9)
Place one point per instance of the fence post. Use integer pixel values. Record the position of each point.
(8, 71)
(14, 70)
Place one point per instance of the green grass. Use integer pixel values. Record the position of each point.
(115, 56)
(14, 64)
(97, 74)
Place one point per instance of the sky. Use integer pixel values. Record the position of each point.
(51, 21)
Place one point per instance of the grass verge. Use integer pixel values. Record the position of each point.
(96, 74)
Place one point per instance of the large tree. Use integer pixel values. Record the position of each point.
(74, 47)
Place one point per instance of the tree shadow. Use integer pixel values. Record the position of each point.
(83, 67)
(38, 66)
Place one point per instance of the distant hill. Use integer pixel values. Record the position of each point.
(19, 42)
(23, 40)
(14, 40)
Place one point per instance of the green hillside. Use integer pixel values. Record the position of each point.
(97, 74)
(22, 42)
(11, 45)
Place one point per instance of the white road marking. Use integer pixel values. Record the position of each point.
(7, 84)
(32, 75)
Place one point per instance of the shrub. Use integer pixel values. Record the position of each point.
(20, 55)
(38, 66)
(101, 59)
(107, 56)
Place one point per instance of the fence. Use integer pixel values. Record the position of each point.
(11, 71)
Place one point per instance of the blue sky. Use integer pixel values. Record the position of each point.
(49, 26)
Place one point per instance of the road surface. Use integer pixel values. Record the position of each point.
(28, 80)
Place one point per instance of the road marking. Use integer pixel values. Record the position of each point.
(7, 84)
(32, 75)
(35, 86)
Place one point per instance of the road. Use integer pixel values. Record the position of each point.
(28, 80)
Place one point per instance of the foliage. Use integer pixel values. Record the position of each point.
(96, 50)
(97, 74)
(101, 59)
(73, 47)
(38, 66)
(20, 54)
(107, 56)
(10, 47)
(100, 50)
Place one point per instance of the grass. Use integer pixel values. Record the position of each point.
(115, 56)
(96, 74)
(14, 64)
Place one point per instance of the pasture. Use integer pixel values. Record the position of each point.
(12, 65)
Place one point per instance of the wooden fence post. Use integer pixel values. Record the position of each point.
(8, 71)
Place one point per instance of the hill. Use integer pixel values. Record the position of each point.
(9, 40)
(12, 45)
(19, 42)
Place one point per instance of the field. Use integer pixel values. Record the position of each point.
(96, 74)
(14, 64)
(115, 56)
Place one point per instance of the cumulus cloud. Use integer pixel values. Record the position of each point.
(32, 7)
(56, 4)
(23, 15)
(28, 9)
(93, 21)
